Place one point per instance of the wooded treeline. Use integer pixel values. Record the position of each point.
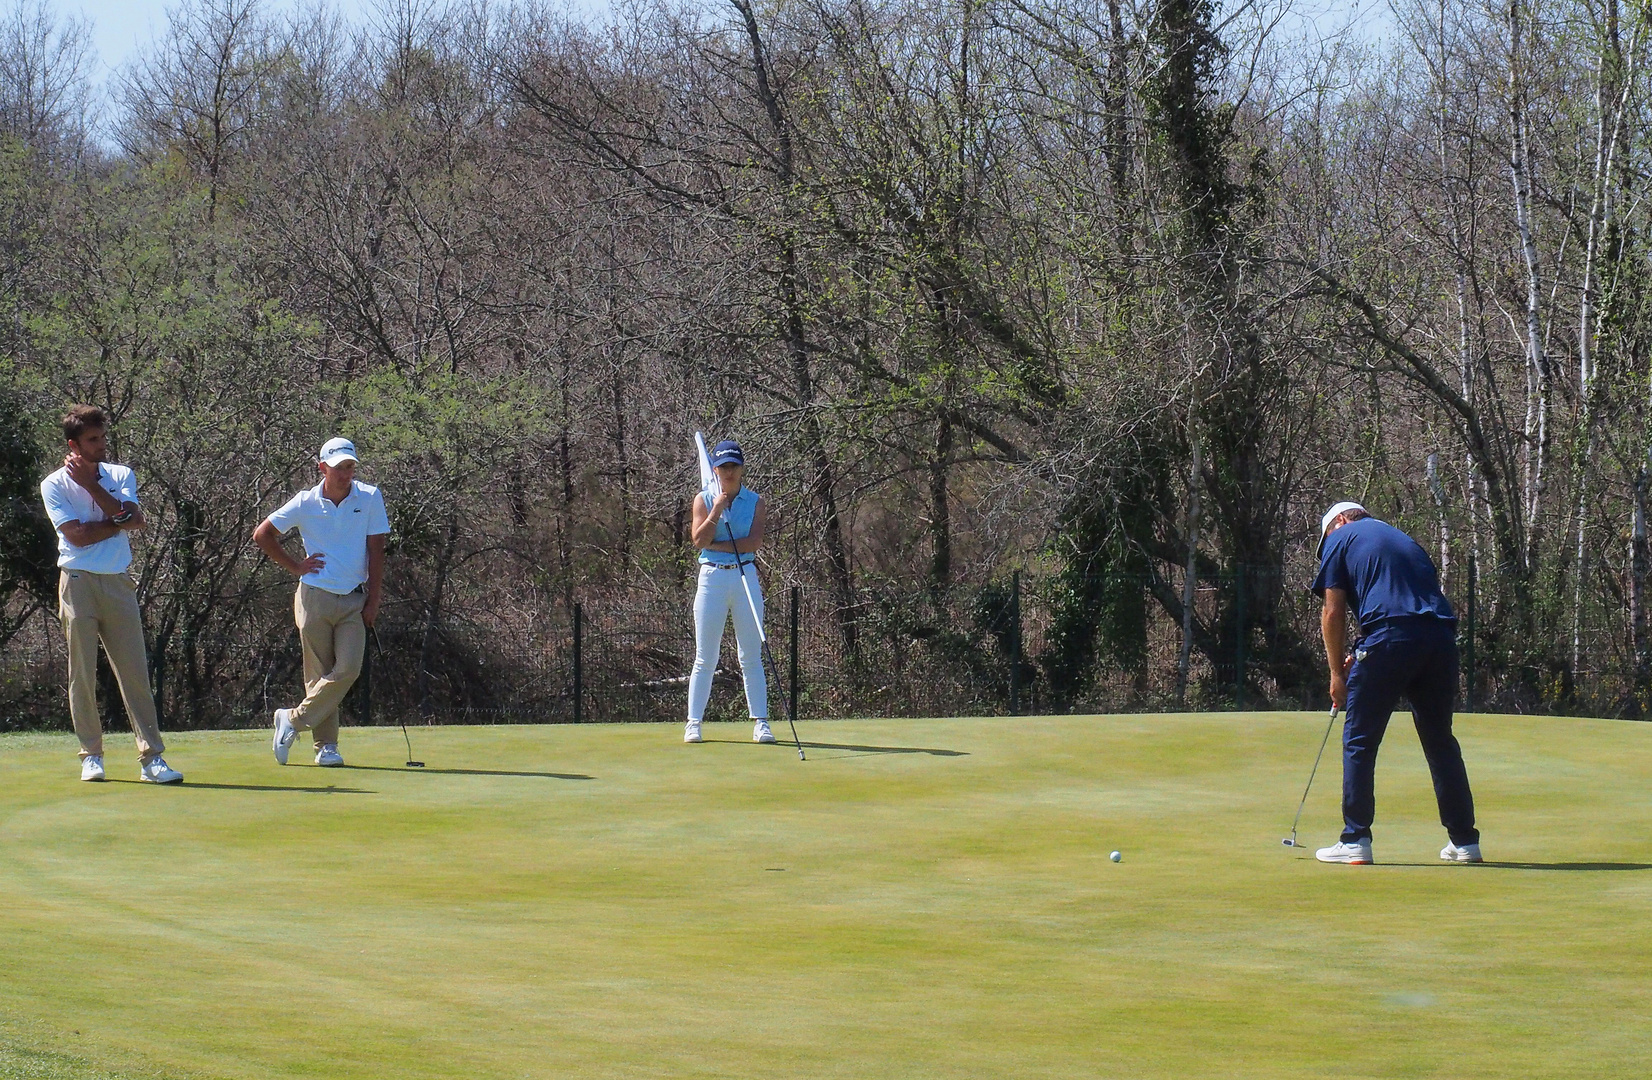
(1105, 291)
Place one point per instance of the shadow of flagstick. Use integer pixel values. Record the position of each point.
(932, 751)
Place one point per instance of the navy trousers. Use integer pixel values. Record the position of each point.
(1420, 666)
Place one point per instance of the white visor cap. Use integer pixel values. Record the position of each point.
(337, 451)
(1331, 515)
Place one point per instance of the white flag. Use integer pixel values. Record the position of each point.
(707, 476)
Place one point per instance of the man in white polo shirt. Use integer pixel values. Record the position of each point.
(343, 524)
(93, 503)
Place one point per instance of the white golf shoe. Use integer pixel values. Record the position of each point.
(327, 756)
(691, 732)
(1466, 853)
(284, 735)
(91, 767)
(1356, 854)
(157, 771)
(760, 731)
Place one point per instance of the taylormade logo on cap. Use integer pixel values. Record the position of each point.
(727, 452)
(336, 451)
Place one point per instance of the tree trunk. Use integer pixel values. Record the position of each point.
(623, 463)
(1116, 121)
(1538, 375)
(1437, 489)
(940, 513)
(1190, 583)
(1611, 101)
(824, 483)
(433, 611)
(1641, 648)
(564, 520)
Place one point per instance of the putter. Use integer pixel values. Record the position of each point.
(1290, 841)
(378, 651)
(768, 655)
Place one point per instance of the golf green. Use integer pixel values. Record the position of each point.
(927, 898)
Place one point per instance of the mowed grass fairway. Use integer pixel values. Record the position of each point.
(919, 899)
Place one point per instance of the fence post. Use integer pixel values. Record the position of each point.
(1239, 637)
(1468, 644)
(579, 668)
(1015, 643)
(797, 604)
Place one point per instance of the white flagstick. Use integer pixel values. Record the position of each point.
(707, 474)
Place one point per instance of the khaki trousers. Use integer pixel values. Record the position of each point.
(95, 607)
(334, 640)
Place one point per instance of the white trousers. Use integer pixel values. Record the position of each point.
(720, 595)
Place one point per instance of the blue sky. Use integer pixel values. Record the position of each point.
(121, 27)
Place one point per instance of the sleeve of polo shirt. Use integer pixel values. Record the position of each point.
(129, 487)
(1333, 571)
(378, 522)
(58, 506)
(286, 518)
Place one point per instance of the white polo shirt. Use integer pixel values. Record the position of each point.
(67, 501)
(338, 532)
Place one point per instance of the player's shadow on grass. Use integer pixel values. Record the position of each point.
(474, 772)
(1500, 865)
(1568, 865)
(263, 787)
(930, 750)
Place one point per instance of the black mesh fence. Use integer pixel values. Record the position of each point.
(1022, 644)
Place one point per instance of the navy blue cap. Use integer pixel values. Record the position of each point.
(727, 452)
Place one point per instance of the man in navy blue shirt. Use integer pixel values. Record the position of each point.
(1408, 649)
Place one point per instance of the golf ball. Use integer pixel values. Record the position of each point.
(1115, 856)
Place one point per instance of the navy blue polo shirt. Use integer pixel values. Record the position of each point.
(1392, 586)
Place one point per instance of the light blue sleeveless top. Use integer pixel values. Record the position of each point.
(736, 525)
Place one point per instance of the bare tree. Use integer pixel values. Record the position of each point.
(45, 62)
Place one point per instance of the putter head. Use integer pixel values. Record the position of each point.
(415, 764)
(1288, 842)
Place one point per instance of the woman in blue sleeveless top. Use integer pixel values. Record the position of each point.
(725, 512)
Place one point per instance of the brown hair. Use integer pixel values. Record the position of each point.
(81, 417)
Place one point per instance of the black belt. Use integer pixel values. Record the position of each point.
(358, 589)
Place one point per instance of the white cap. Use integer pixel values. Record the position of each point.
(336, 451)
(1331, 515)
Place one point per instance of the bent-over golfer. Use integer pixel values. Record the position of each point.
(1409, 650)
(93, 504)
(343, 524)
(728, 587)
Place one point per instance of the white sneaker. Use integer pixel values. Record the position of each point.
(1358, 854)
(284, 735)
(327, 756)
(691, 732)
(91, 767)
(1466, 853)
(760, 732)
(159, 772)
